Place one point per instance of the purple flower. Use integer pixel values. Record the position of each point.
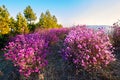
(28, 53)
(90, 47)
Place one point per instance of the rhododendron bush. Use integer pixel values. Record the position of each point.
(28, 53)
(54, 35)
(82, 46)
(88, 48)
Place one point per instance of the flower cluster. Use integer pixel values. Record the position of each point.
(88, 48)
(55, 35)
(28, 53)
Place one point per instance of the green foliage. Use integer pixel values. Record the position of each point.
(48, 21)
(21, 24)
(29, 14)
(12, 26)
(3, 40)
(32, 27)
(4, 20)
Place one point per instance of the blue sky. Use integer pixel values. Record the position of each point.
(70, 12)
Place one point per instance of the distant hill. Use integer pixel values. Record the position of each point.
(108, 29)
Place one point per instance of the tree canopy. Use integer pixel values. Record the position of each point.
(4, 20)
(48, 21)
(21, 24)
(12, 25)
(29, 14)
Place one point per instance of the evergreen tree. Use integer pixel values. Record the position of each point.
(48, 21)
(4, 20)
(21, 24)
(12, 25)
(29, 14)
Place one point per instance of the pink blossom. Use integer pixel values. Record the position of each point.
(89, 47)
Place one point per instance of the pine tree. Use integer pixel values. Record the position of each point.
(12, 25)
(4, 20)
(21, 24)
(29, 14)
(48, 21)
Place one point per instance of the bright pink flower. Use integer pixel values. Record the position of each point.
(28, 53)
(89, 47)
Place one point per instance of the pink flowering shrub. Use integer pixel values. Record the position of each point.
(88, 48)
(53, 36)
(28, 53)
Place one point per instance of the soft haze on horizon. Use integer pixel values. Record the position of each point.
(70, 12)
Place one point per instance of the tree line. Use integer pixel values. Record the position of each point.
(25, 23)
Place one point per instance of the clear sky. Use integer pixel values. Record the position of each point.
(70, 12)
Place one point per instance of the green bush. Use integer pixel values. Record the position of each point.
(3, 40)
